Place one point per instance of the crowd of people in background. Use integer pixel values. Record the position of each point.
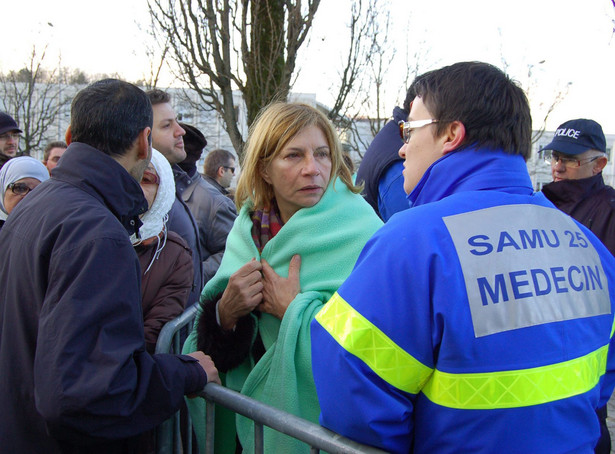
(431, 302)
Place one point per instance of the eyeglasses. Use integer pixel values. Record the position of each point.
(406, 127)
(552, 157)
(150, 178)
(232, 169)
(19, 188)
(10, 135)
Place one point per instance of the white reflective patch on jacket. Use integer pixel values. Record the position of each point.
(526, 265)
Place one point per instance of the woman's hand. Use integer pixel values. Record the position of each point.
(278, 292)
(242, 294)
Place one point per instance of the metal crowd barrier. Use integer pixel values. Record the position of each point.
(169, 433)
(315, 436)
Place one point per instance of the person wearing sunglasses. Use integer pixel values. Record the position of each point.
(478, 320)
(18, 177)
(219, 168)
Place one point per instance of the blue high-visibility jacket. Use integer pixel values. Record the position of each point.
(479, 320)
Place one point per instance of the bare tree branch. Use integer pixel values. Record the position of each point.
(364, 112)
(219, 47)
(34, 97)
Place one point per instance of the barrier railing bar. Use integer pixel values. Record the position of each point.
(210, 429)
(168, 439)
(177, 439)
(317, 437)
(258, 438)
(189, 425)
(305, 431)
(167, 337)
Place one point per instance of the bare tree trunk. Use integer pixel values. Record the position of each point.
(245, 45)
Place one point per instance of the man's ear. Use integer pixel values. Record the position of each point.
(68, 136)
(599, 165)
(221, 171)
(143, 143)
(454, 135)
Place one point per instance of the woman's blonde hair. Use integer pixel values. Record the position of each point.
(274, 127)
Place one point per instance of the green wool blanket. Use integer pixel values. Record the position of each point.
(329, 237)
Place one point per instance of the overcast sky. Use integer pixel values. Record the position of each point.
(573, 39)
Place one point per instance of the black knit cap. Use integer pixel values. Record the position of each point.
(194, 143)
(7, 123)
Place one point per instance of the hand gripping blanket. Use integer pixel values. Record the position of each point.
(329, 237)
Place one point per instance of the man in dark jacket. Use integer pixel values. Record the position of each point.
(74, 373)
(214, 212)
(168, 139)
(577, 155)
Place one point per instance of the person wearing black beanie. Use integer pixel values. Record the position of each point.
(214, 213)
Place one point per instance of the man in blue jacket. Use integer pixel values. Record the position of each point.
(480, 319)
(74, 373)
(381, 167)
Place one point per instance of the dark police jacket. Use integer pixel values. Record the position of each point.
(74, 373)
(589, 201)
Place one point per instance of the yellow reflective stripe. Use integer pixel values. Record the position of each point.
(360, 337)
(517, 388)
(492, 390)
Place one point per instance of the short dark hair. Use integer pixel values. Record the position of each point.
(50, 146)
(109, 115)
(214, 160)
(157, 96)
(493, 109)
(410, 95)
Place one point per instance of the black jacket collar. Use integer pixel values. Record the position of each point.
(104, 178)
(572, 191)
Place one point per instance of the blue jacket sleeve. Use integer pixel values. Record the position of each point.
(391, 194)
(91, 372)
(379, 306)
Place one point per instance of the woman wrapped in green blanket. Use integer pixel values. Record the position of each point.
(301, 227)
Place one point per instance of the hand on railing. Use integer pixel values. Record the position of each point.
(208, 366)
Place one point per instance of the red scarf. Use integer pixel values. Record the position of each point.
(266, 223)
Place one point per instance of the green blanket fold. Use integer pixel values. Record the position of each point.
(329, 237)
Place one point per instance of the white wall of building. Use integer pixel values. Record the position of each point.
(212, 126)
